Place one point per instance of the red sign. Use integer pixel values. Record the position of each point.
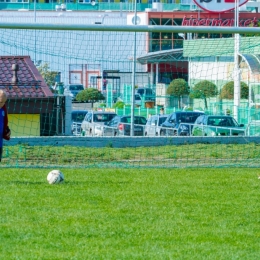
(218, 6)
(217, 22)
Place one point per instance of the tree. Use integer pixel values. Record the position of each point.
(203, 90)
(227, 92)
(48, 75)
(178, 88)
(89, 95)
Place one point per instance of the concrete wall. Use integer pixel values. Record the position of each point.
(121, 142)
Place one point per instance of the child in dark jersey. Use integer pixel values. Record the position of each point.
(5, 132)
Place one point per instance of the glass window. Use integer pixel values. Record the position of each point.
(199, 120)
(155, 21)
(140, 120)
(103, 117)
(166, 21)
(166, 44)
(78, 116)
(214, 35)
(149, 121)
(227, 35)
(155, 46)
(154, 120)
(202, 35)
(162, 119)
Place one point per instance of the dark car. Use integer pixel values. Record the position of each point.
(121, 125)
(180, 123)
(153, 125)
(146, 94)
(210, 125)
(77, 117)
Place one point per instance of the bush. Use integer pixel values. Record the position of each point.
(89, 95)
(203, 90)
(227, 91)
(119, 104)
(178, 88)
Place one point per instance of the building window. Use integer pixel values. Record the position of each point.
(164, 41)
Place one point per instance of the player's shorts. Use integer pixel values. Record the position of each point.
(1, 152)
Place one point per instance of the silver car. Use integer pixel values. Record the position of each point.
(93, 120)
(153, 125)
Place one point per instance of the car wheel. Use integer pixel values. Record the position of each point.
(145, 134)
(156, 134)
(115, 133)
(175, 133)
(162, 133)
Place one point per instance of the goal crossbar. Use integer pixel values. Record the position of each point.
(130, 28)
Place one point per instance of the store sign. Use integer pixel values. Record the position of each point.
(217, 22)
(218, 6)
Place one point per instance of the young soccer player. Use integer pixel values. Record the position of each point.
(5, 132)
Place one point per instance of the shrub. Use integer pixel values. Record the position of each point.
(227, 92)
(203, 90)
(178, 88)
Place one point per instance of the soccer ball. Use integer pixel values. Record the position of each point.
(55, 177)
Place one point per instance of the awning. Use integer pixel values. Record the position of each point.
(166, 56)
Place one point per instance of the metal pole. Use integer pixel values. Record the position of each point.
(34, 9)
(102, 50)
(133, 77)
(236, 64)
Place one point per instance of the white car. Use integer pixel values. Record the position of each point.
(153, 125)
(93, 120)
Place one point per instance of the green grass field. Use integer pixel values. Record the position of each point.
(130, 214)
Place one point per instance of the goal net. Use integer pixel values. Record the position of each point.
(45, 72)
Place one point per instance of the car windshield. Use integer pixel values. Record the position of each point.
(140, 91)
(103, 117)
(76, 87)
(137, 97)
(162, 120)
(187, 118)
(78, 116)
(222, 121)
(137, 120)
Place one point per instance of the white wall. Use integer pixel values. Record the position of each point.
(211, 70)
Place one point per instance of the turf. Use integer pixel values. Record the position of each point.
(130, 214)
(187, 155)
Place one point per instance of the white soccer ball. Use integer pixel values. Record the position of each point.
(55, 177)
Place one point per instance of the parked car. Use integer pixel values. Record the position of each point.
(138, 99)
(72, 90)
(77, 117)
(121, 125)
(93, 119)
(146, 94)
(153, 125)
(208, 125)
(180, 123)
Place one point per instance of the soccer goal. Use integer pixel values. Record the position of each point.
(52, 68)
